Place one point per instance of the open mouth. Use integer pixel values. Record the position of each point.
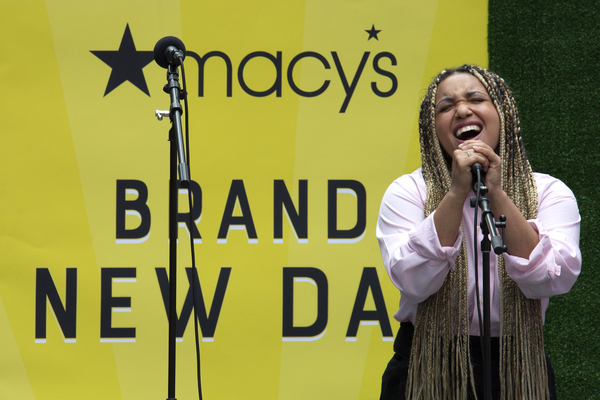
(468, 132)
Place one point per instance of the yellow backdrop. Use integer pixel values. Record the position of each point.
(301, 114)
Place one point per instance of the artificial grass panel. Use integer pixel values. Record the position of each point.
(549, 54)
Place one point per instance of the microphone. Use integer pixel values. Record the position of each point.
(476, 170)
(486, 210)
(169, 50)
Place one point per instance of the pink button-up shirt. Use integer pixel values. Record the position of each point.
(418, 264)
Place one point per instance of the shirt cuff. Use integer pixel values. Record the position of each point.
(538, 267)
(426, 243)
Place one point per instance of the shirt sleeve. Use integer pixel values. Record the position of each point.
(555, 263)
(414, 258)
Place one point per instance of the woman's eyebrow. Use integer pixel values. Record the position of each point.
(448, 99)
(474, 92)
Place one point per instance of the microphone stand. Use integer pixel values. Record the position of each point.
(176, 153)
(488, 226)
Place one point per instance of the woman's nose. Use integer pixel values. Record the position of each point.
(463, 110)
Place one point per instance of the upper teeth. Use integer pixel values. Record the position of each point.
(464, 129)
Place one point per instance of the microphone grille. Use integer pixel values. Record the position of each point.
(161, 46)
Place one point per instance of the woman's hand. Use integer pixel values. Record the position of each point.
(462, 160)
(448, 215)
(521, 238)
(489, 160)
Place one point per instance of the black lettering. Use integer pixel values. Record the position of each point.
(202, 60)
(237, 192)
(383, 72)
(298, 219)
(276, 85)
(288, 328)
(361, 209)
(66, 315)
(349, 88)
(290, 74)
(196, 211)
(370, 280)
(208, 321)
(108, 302)
(137, 207)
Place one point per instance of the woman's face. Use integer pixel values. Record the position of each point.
(464, 111)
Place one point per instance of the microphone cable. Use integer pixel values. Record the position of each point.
(194, 275)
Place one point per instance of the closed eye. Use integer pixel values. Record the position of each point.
(445, 104)
(476, 96)
(477, 100)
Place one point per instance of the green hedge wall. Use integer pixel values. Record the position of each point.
(549, 54)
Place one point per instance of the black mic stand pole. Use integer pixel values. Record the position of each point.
(488, 226)
(176, 152)
(487, 344)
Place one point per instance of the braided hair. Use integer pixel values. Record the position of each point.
(440, 361)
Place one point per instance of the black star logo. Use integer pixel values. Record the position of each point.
(126, 63)
(373, 33)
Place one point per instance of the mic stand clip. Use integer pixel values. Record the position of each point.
(172, 87)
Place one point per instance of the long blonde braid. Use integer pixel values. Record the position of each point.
(440, 361)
